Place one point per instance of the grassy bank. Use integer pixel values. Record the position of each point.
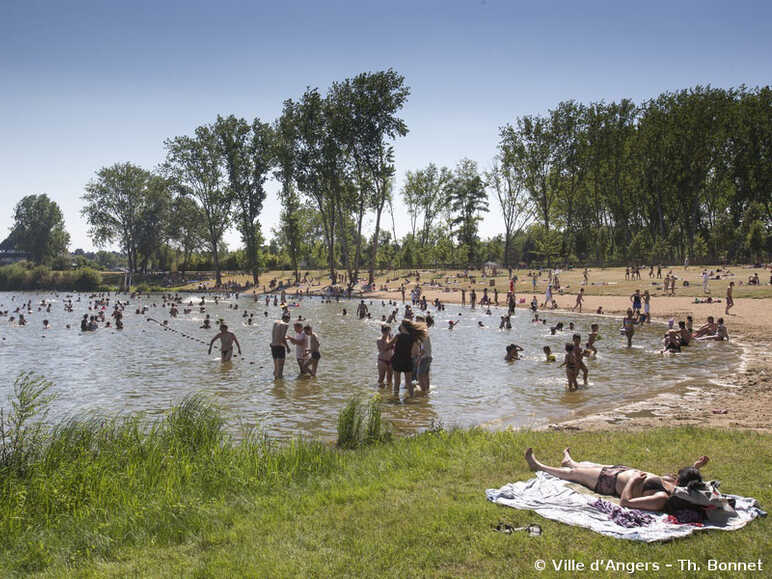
(177, 497)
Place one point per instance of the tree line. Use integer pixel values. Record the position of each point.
(686, 174)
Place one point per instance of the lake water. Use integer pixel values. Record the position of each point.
(145, 368)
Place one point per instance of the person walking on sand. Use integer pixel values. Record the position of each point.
(705, 279)
(579, 300)
(227, 339)
(647, 305)
(729, 298)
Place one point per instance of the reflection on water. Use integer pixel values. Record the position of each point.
(144, 368)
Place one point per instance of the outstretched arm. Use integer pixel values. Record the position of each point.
(212, 342)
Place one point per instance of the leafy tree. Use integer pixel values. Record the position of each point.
(187, 228)
(195, 165)
(248, 154)
(38, 228)
(515, 205)
(117, 204)
(468, 199)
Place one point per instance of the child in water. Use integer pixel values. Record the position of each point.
(513, 352)
(548, 355)
(592, 338)
(571, 370)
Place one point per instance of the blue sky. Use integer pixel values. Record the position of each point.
(88, 84)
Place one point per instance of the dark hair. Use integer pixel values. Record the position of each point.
(569, 347)
(687, 475)
(576, 337)
(385, 328)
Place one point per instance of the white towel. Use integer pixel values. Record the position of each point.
(553, 498)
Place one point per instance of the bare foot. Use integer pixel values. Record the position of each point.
(567, 460)
(530, 459)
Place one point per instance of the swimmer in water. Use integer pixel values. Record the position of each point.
(227, 339)
(548, 355)
(513, 351)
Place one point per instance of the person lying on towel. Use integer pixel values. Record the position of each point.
(643, 490)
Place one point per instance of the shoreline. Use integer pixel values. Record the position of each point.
(745, 394)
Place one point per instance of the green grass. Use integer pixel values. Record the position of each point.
(177, 497)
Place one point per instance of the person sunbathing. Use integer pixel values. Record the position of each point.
(636, 488)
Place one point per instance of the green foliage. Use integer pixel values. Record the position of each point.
(21, 430)
(38, 228)
(25, 276)
(360, 424)
(128, 497)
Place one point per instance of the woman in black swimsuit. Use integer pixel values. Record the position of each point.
(636, 488)
(405, 349)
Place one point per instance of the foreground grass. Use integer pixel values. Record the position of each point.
(118, 498)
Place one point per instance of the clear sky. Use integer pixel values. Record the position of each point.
(88, 84)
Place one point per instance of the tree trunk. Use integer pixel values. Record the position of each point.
(507, 243)
(358, 252)
(374, 255)
(216, 259)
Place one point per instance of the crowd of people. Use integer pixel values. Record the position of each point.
(404, 357)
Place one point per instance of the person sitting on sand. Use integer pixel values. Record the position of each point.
(636, 488)
(227, 339)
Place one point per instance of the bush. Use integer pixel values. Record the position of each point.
(24, 276)
(360, 424)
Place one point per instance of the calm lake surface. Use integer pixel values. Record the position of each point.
(145, 368)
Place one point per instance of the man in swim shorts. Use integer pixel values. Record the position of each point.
(227, 339)
(279, 345)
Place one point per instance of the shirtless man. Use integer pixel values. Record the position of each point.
(729, 298)
(227, 339)
(279, 345)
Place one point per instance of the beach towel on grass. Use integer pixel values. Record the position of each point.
(560, 500)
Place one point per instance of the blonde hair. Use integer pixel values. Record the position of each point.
(416, 329)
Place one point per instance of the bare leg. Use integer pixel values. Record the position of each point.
(584, 475)
(381, 374)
